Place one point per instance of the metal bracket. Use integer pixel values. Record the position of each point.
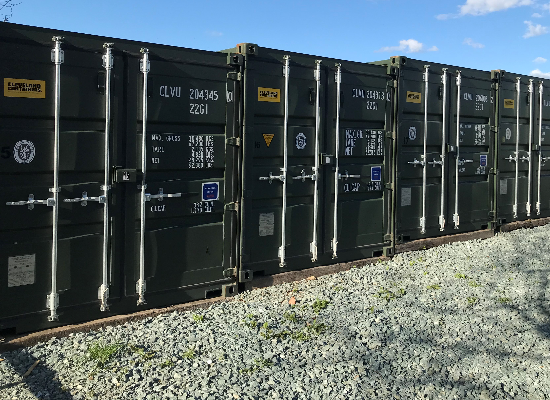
(416, 162)
(144, 67)
(272, 177)
(58, 55)
(31, 202)
(347, 176)
(435, 162)
(161, 195)
(525, 158)
(85, 199)
(52, 303)
(233, 141)
(303, 176)
(233, 206)
(229, 272)
(512, 159)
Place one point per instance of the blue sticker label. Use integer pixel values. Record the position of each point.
(483, 160)
(376, 174)
(210, 191)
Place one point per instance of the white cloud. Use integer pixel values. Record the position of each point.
(214, 33)
(475, 45)
(536, 15)
(546, 7)
(540, 74)
(482, 7)
(534, 30)
(540, 60)
(408, 46)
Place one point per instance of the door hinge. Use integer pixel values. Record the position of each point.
(234, 76)
(230, 272)
(233, 206)
(492, 171)
(388, 185)
(235, 59)
(233, 141)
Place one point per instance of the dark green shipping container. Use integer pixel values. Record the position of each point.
(314, 160)
(443, 148)
(95, 220)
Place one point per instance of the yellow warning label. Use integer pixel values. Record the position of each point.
(268, 137)
(271, 95)
(508, 103)
(414, 97)
(24, 88)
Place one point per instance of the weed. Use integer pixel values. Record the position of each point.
(474, 284)
(503, 300)
(295, 290)
(472, 300)
(317, 328)
(167, 363)
(337, 288)
(319, 305)
(388, 295)
(372, 310)
(433, 287)
(250, 321)
(140, 351)
(198, 318)
(189, 354)
(260, 363)
(290, 316)
(461, 276)
(267, 333)
(103, 353)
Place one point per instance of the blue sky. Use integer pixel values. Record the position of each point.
(486, 34)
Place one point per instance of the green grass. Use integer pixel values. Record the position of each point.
(503, 300)
(259, 364)
(472, 300)
(319, 305)
(102, 353)
(141, 352)
(250, 321)
(189, 354)
(167, 363)
(461, 276)
(433, 287)
(474, 284)
(389, 295)
(198, 318)
(290, 316)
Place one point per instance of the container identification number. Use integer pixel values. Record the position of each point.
(201, 94)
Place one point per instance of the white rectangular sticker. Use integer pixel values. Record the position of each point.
(21, 270)
(406, 197)
(504, 186)
(267, 224)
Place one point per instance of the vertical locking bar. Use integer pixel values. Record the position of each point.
(57, 59)
(144, 67)
(528, 205)
(108, 62)
(518, 90)
(317, 76)
(456, 218)
(540, 145)
(338, 78)
(424, 154)
(286, 73)
(443, 150)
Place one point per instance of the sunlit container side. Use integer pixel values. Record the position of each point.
(293, 104)
(521, 192)
(444, 148)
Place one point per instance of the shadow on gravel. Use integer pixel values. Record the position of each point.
(41, 382)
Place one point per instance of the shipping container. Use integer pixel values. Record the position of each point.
(314, 157)
(115, 174)
(522, 187)
(444, 149)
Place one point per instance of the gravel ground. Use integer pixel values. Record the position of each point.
(468, 320)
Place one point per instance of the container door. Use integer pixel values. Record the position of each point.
(283, 100)
(514, 145)
(359, 107)
(180, 98)
(55, 160)
(541, 154)
(471, 155)
(422, 141)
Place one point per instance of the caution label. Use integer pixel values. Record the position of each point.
(268, 94)
(268, 137)
(508, 103)
(24, 88)
(414, 97)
